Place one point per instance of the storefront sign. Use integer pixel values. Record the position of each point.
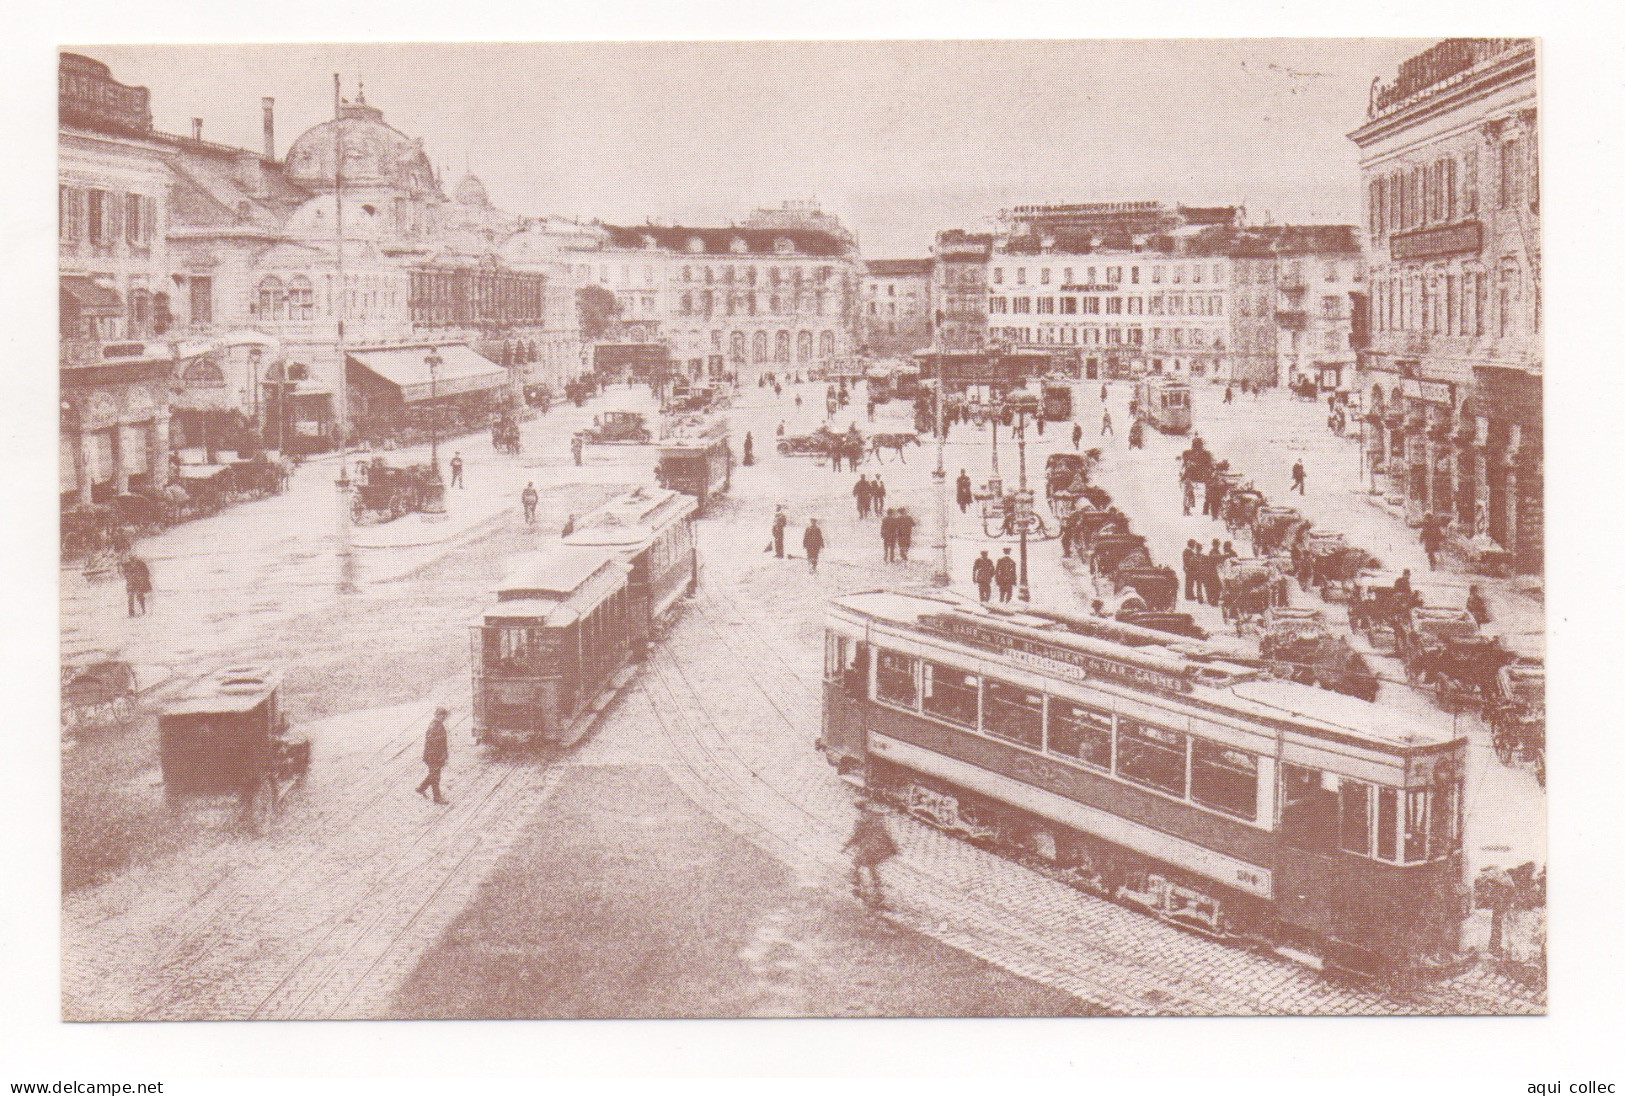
(1091, 288)
(1428, 243)
(1042, 655)
(1428, 391)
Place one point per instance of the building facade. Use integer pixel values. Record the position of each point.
(895, 299)
(1451, 364)
(959, 289)
(1320, 283)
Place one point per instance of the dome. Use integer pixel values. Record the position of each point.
(471, 192)
(375, 154)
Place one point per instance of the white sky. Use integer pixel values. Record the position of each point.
(899, 139)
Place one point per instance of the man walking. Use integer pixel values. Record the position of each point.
(435, 752)
(903, 532)
(860, 491)
(780, 520)
(888, 536)
(1210, 572)
(1192, 566)
(877, 494)
(1004, 573)
(456, 469)
(137, 583)
(981, 573)
(1229, 394)
(1106, 424)
(528, 499)
(1297, 476)
(962, 490)
(813, 542)
(575, 449)
(1077, 435)
(871, 844)
(1432, 538)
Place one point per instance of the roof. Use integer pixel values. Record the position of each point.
(558, 585)
(232, 689)
(719, 241)
(632, 518)
(894, 268)
(87, 297)
(407, 368)
(1215, 683)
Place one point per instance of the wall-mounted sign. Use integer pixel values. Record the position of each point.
(1430, 243)
(1091, 288)
(1428, 391)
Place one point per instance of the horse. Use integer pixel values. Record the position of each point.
(894, 442)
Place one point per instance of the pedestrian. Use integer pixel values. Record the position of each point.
(1189, 496)
(888, 536)
(1213, 499)
(1229, 394)
(813, 541)
(860, 491)
(903, 532)
(1477, 608)
(528, 499)
(435, 752)
(981, 573)
(1297, 477)
(780, 520)
(1106, 424)
(962, 490)
(1077, 435)
(1432, 538)
(780, 432)
(137, 583)
(1103, 392)
(798, 401)
(1004, 573)
(1212, 587)
(575, 449)
(871, 844)
(1039, 419)
(1229, 550)
(750, 450)
(878, 490)
(1192, 566)
(836, 451)
(456, 469)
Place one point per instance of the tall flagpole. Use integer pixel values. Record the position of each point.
(347, 582)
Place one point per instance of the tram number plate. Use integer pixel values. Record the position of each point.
(1252, 880)
(939, 808)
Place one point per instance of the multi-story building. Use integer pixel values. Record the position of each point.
(114, 287)
(1451, 369)
(1320, 284)
(896, 306)
(959, 289)
(747, 299)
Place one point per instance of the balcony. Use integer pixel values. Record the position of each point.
(1294, 320)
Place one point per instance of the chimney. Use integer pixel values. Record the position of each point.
(268, 106)
(197, 129)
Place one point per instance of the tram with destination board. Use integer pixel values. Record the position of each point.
(653, 530)
(1167, 777)
(1165, 404)
(700, 464)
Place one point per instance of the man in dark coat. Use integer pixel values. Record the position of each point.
(981, 573)
(1077, 435)
(1297, 477)
(137, 583)
(1210, 574)
(903, 532)
(1004, 573)
(888, 535)
(860, 491)
(528, 499)
(435, 752)
(457, 470)
(877, 491)
(779, 522)
(871, 844)
(813, 542)
(962, 490)
(1192, 566)
(1432, 538)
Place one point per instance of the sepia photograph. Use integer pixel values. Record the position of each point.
(802, 529)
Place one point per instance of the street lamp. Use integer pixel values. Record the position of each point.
(1023, 497)
(434, 361)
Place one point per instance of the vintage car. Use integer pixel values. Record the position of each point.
(227, 736)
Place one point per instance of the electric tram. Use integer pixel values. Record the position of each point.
(1165, 404)
(1166, 777)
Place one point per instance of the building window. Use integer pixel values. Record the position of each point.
(1046, 305)
(998, 275)
(998, 304)
(1509, 174)
(1196, 274)
(301, 302)
(1043, 276)
(1066, 276)
(1091, 305)
(1469, 182)
(1069, 306)
(1114, 275)
(201, 300)
(1021, 304)
(273, 302)
(1156, 275)
(1134, 275)
(1136, 305)
(1021, 275)
(1334, 342)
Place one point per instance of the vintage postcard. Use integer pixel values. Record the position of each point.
(775, 530)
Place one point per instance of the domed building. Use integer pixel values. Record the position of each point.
(372, 153)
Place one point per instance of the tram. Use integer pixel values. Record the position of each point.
(1165, 404)
(700, 465)
(1057, 400)
(653, 530)
(1198, 789)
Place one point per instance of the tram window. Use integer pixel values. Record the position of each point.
(1354, 829)
(1151, 756)
(894, 679)
(1387, 824)
(1416, 826)
(1013, 713)
(1309, 808)
(950, 694)
(1080, 734)
(1224, 779)
(513, 649)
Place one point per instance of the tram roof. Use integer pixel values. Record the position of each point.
(1212, 680)
(631, 518)
(555, 573)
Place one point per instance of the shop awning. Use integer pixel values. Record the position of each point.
(85, 297)
(461, 370)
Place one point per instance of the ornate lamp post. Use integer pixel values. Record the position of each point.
(434, 501)
(1024, 498)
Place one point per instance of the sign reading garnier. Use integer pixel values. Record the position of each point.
(1428, 243)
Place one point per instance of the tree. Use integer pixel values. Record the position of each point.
(597, 309)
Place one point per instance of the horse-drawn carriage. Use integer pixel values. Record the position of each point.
(1110, 551)
(385, 493)
(1324, 561)
(1517, 715)
(1377, 608)
(893, 443)
(100, 692)
(1276, 529)
(820, 443)
(505, 435)
(1249, 588)
(1080, 527)
(1157, 587)
(618, 426)
(227, 737)
(1241, 508)
(1299, 646)
(1444, 648)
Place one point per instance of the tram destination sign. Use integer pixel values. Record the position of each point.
(1051, 657)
